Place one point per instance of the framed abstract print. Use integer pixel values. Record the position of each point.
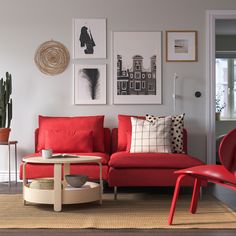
(89, 38)
(181, 46)
(89, 84)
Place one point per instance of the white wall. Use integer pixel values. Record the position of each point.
(25, 24)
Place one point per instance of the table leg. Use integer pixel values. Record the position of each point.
(9, 164)
(66, 172)
(16, 162)
(101, 182)
(57, 187)
(24, 181)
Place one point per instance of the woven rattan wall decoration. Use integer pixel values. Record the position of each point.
(52, 57)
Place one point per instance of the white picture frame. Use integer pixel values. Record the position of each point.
(131, 84)
(89, 38)
(181, 46)
(89, 84)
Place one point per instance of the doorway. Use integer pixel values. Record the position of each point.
(220, 75)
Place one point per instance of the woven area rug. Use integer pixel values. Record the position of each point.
(137, 211)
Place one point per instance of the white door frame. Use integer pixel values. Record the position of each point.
(212, 15)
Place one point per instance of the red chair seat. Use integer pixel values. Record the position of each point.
(153, 160)
(211, 172)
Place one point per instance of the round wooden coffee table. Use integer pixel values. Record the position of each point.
(62, 193)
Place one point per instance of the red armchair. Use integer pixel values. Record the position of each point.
(224, 174)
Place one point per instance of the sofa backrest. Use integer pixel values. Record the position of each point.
(114, 141)
(107, 138)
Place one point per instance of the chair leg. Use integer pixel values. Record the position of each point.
(195, 196)
(174, 199)
(115, 192)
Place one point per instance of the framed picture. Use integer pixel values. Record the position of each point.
(89, 84)
(89, 38)
(181, 46)
(137, 67)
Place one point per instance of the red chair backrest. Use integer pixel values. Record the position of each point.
(227, 151)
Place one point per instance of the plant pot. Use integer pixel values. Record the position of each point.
(217, 116)
(4, 134)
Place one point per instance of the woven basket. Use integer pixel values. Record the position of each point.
(52, 57)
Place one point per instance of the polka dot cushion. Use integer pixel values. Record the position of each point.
(177, 127)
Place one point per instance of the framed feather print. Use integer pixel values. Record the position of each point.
(89, 84)
(89, 38)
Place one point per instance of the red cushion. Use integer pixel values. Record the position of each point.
(69, 141)
(153, 160)
(83, 123)
(124, 126)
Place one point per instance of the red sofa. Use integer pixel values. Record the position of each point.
(121, 168)
(147, 169)
(100, 149)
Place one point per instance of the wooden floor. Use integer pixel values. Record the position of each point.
(44, 232)
(14, 189)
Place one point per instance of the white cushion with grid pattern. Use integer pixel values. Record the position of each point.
(176, 133)
(151, 137)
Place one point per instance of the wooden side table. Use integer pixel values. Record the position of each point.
(62, 193)
(14, 143)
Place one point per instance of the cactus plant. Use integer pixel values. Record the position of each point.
(5, 101)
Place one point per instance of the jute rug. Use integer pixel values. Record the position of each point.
(138, 211)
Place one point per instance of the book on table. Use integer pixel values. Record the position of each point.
(64, 155)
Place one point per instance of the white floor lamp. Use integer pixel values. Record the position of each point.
(174, 93)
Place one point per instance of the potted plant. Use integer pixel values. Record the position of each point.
(219, 104)
(5, 107)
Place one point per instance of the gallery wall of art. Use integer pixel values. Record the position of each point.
(32, 22)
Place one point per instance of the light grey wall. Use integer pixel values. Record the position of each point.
(25, 24)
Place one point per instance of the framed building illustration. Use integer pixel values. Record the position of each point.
(89, 84)
(89, 38)
(137, 67)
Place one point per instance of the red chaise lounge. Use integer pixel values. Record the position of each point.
(147, 169)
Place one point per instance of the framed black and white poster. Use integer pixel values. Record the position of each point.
(137, 67)
(89, 38)
(89, 84)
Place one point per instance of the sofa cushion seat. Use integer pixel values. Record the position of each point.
(104, 156)
(153, 160)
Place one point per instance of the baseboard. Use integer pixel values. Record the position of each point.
(225, 195)
(4, 176)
